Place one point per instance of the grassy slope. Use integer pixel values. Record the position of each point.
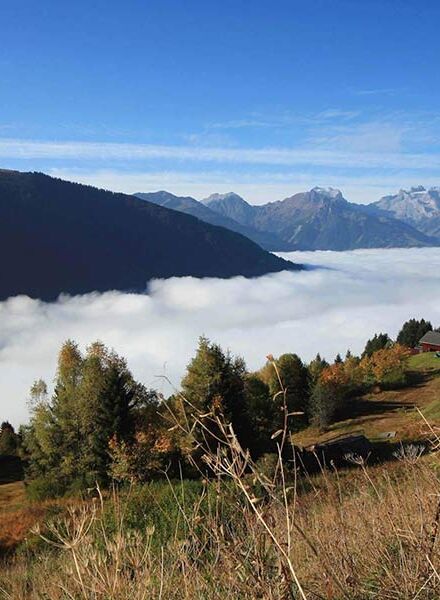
(376, 414)
(13, 504)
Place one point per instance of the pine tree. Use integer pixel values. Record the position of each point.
(214, 382)
(95, 400)
(316, 366)
(377, 342)
(262, 415)
(295, 384)
(8, 440)
(412, 331)
(325, 402)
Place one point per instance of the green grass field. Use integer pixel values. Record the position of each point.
(427, 361)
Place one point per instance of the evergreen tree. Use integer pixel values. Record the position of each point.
(377, 342)
(295, 384)
(113, 417)
(412, 331)
(325, 401)
(8, 440)
(262, 415)
(95, 400)
(316, 366)
(214, 382)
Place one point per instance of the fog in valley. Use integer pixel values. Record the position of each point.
(338, 304)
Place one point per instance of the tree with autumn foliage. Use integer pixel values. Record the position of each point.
(154, 448)
(386, 367)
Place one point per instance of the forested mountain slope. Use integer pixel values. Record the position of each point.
(57, 236)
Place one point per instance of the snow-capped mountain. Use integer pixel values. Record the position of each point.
(320, 219)
(418, 206)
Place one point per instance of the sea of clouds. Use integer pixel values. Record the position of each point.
(338, 304)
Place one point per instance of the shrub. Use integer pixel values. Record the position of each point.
(44, 488)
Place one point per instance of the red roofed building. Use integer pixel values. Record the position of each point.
(430, 342)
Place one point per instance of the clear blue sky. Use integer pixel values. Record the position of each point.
(264, 98)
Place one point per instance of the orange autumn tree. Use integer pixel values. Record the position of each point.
(386, 366)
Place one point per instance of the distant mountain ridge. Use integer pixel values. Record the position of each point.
(418, 206)
(320, 219)
(191, 206)
(231, 205)
(61, 237)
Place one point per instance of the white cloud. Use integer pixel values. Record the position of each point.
(378, 92)
(327, 310)
(288, 157)
(257, 188)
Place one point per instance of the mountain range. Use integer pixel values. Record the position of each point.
(61, 237)
(417, 206)
(197, 209)
(319, 219)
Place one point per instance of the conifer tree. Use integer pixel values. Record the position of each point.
(214, 382)
(295, 383)
(412, 331)
(8, 439)
(262, 415)
(95, 400)
(377, 342)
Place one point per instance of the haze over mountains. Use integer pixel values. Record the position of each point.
(320, 219)
(57, 236)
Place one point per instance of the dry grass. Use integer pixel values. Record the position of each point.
(18, 515)
(364, 534)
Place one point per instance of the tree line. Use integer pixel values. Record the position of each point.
(101, 425)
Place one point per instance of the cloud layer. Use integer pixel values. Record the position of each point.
(338, 305)
(323, 156)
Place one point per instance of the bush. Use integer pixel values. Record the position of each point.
(168, 507)
(44, 488)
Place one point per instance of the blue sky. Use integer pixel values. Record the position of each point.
(263, 98)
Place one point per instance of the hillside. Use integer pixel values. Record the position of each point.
(191, 206)
(320, 219)
(394, 412)
(62, 237)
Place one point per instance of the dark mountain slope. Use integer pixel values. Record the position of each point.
(57, 236)
(321, 219)
(191, 206)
